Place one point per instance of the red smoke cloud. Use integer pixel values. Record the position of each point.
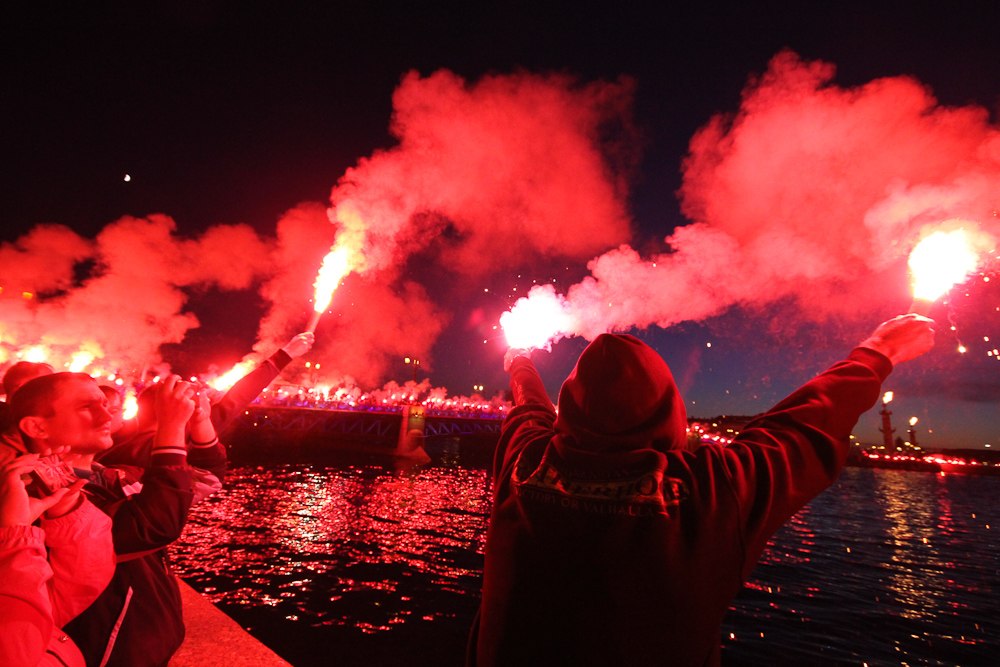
(120, 296)
(491, 173)
(485, 176)
(809, 191)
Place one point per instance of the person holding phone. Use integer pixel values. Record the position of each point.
(137, 620)
(56, 556)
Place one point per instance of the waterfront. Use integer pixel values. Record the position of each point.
(360, 564)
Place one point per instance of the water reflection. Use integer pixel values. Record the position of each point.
(377, 566)
(337, 546)
(886, 566)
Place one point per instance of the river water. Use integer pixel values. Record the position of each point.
(362, 564)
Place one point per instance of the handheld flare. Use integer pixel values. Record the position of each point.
(939, 262)
(336, 266)
(537, 320)
(313, 322)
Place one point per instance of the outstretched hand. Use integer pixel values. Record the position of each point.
(902, 338)
(513, 352)
(299, 344)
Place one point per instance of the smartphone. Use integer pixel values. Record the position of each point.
(49, 475)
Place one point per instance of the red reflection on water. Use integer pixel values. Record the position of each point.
(341, 546)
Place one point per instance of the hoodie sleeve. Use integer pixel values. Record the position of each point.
(155, 517)
(531, 419)
(787, 456)
(241, 394)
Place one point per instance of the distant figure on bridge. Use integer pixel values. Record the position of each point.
(611, 542)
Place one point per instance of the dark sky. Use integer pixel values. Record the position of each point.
(221, 113)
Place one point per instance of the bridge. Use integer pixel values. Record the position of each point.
(264, 428)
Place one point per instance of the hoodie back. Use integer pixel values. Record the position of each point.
(611, 543)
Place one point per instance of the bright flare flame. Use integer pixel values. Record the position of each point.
(939, 262)
(536, 320)
(913, 421)
(36, 354)
(336, 265)
(887, 397)
(79, 361)
(232, 376)
(130, 405)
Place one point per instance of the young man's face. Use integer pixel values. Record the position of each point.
(80, 419)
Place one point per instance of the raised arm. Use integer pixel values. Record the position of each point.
(787, 456)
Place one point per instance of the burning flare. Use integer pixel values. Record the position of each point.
(230, 377)
(336, 266)
(130, 405)
(887, 397)
(939, 262)
(37, 354)
(79, 361)
(537, 320)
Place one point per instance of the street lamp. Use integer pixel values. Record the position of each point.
(412, 363)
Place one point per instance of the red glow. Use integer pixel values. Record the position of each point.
(230, 377)
(130, 405)
(940, 261)
(336, 266)
(537, 320)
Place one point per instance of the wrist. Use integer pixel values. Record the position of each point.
(203, 441)
(169, 435)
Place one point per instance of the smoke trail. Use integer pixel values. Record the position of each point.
(485, 176)
(809, 191)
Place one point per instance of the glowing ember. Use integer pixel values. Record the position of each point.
(36, 353)
(230, 377)
(939, 262)
(79, 361)
(536, 320)
(887, 397)
(130, 406)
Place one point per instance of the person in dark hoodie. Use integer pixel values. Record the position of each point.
(611, 542)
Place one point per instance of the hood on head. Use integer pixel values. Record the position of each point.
(621, 395)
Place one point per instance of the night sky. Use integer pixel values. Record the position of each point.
(801, 149)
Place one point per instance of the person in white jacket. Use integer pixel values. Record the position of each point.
(56, 556)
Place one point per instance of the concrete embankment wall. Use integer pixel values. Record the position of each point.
(212, 638)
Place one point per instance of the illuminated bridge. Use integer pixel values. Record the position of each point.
(267, 429)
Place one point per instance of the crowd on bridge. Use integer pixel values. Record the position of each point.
(390, 399)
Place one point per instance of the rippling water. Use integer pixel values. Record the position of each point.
(363, 564)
